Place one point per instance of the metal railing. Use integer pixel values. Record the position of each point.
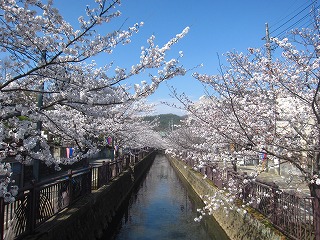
(102, 174)
(291, 214)
(36, 203)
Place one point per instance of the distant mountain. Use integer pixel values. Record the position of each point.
(166, 121)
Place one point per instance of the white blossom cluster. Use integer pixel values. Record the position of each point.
(50, 83)
(258, 105)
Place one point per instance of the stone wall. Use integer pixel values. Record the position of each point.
(237, 225)
(89, 216)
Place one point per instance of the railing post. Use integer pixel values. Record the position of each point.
(316, 215)
(275, 194)
(70, 186)
(32, 203)
(246, 187)
(90, 179)
(220, 176)
(96, 177)
(127, 158)
(121, 164)
(102, 174)
(315, 193)
(108, 171)
(2, 206)
(117, 167)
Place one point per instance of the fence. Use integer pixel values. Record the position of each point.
(37, 203)
(291, 214)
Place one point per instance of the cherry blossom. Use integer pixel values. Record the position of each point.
(257, 104)
(50, 83)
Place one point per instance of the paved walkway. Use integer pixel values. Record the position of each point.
(288, 183)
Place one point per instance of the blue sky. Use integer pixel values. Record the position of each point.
(215, 28)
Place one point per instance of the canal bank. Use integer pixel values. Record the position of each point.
(87, 218)
(237, 224)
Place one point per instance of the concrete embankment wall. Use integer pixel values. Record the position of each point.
(237, 225)
(89, 216)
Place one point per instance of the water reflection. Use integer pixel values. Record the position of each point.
(162, 208)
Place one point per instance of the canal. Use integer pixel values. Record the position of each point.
(162, 207)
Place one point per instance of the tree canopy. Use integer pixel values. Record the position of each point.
(261, 104)
(49, 81)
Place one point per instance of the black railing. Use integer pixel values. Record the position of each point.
(102, 174)
(38, 202)
(291, 214)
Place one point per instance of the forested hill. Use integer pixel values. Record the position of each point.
(166, 121)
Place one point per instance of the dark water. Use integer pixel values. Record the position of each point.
(163, 207)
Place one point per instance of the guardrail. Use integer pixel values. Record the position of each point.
(40, 201)
(291, 214)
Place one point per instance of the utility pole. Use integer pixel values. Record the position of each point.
(268, 46)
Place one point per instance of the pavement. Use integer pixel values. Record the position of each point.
(288, 183)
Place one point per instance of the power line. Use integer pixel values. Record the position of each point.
(293, 17)
(292, 25)
(303, 25)
(305, 20)
(288, 15)
(300, 21)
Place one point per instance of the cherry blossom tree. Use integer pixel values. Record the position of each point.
(263, 104)
(267, 105)
(50, 82)
(273, 105)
